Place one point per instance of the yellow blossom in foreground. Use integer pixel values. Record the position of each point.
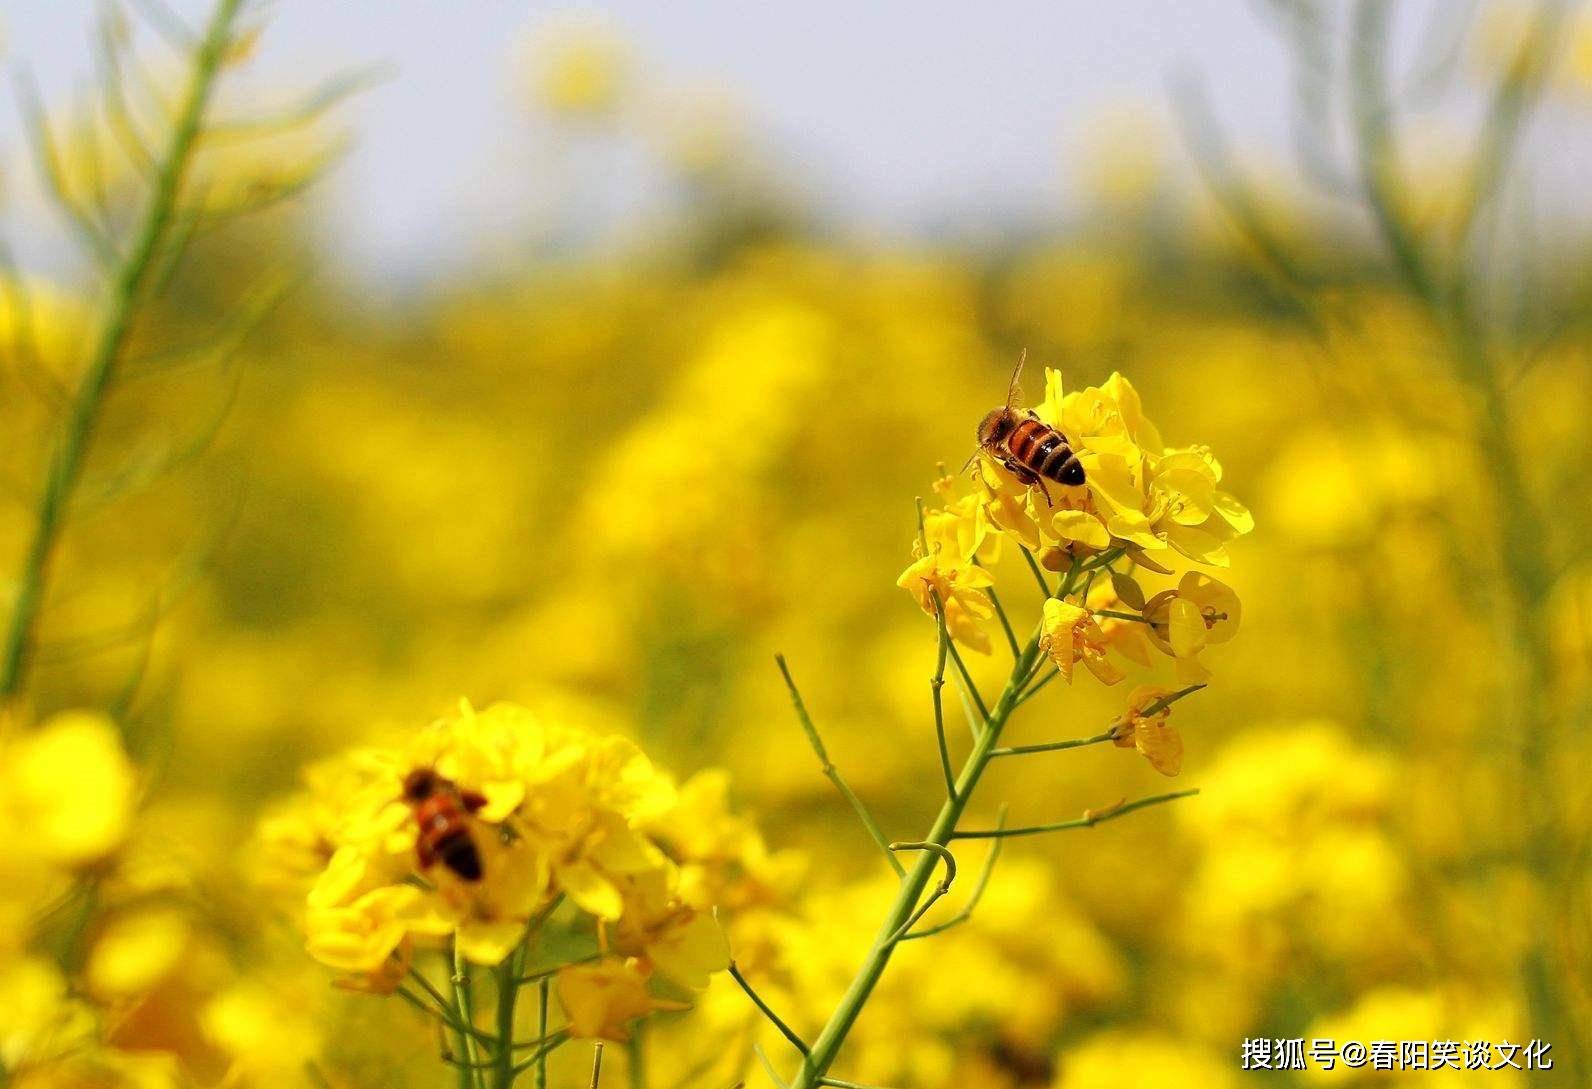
(553, 815)
(1201, 612)
(1138, 494)
(1150, 732)
(1070, 634)
(959, 584)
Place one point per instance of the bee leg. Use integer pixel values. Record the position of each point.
(472, 800)
(1027, 477)
(426, 856)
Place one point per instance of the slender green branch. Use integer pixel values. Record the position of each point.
(1138, 618)
(1039, 574)
(542, 990)
(1054, 746)
(443, 1009)
(1000, 613)
(635, 1058)
(508, 990)
(936, 687)
(1034, 689)
(1169, 699)
(464, 1008)
(1087, 821)
(838, 1084)
(831, 772)
(968, 686)
(542, 974)
(763, 1007)
(835, 1032)
(978, 889)
(47, 157)
(768, 1067)
(945, 855)
(126, 293)
(538, 1061)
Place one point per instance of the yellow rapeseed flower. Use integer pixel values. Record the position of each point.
(1069, 633)
(601, 1000)
(1150, 732)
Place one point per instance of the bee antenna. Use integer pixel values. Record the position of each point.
(968, 464)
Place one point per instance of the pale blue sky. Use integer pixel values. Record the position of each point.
(898, 115)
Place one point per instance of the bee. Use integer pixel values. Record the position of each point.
(1030, 449)
(443, 811)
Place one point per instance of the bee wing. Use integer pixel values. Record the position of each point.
(1014, 390)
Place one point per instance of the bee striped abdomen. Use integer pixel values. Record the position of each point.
(445, 836)
(1042, 449)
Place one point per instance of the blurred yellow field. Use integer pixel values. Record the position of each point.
(603, 668)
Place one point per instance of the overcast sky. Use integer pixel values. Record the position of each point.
(897, 114)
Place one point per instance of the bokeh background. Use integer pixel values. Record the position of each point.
(616, 346)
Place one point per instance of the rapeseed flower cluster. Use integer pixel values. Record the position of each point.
(1145, 511)
(558, 813)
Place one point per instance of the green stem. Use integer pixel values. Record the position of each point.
(937, 689)
(464, 1013)
(508, 988)
(890, 934)
(541, 1031)
(126, 292)
(831, 772)
(1088, 821)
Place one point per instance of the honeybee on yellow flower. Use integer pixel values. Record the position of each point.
(1030, 449)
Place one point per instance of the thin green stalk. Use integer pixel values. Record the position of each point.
(126, 291)
(767, 1011)
(464, 1013)
(508, 989)
(936, 687)
(1039, 574)
(1087, 821)
(1055, 746)
(831, 772)
(825, 1048)
(1000, 614)
(541, 1031)
(538, 1061)
(635, 1057)
(979, 886)
(968, 686)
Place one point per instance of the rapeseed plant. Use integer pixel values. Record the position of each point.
(1142, 505)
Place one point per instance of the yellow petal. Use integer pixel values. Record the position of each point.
(1161, 745)
(1187, 628)
(589, 889)
(1077, 525)
(689, 954)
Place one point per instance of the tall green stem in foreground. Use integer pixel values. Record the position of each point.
(130, 279)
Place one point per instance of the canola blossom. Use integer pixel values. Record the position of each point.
(568, 816)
